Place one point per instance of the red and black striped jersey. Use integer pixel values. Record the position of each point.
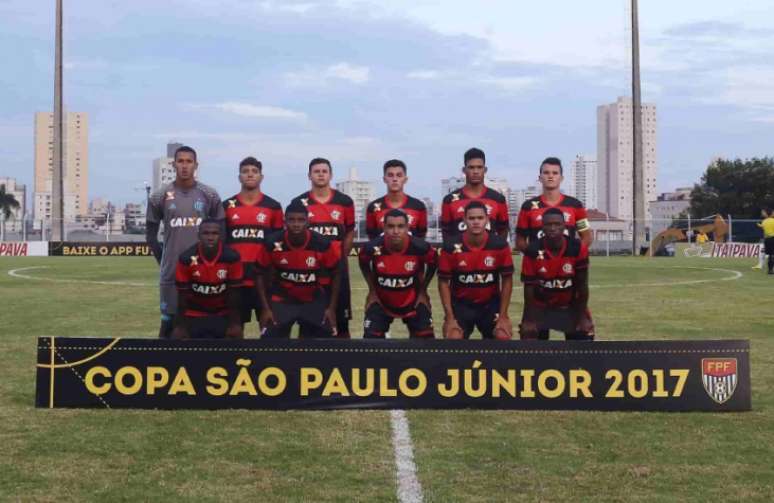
(332, 218)
(247, 225)
(554, 276)
(398, 273)
(298, 270)
(411, 206)
(530, 222)
(475, 272)
(453, 211)
(206, 282)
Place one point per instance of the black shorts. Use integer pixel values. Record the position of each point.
(562, 320)
(344, 305)
(481, 316)
(768, 246)
(207, 327)
(309, 317)
(249, 301)
(377, 322)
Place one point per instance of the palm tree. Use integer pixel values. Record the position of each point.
(8, 204)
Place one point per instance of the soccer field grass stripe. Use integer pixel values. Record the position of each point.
(409, 488)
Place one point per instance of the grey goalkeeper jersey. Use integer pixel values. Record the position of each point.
(181, 212)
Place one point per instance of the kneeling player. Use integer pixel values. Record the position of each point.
(397, 267)
(295, 261)
(475, 279)
(208, 277)
(556, 290)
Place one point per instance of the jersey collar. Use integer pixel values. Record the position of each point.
(210, 263)
(286, 238)
(546, 203)
(475, 248)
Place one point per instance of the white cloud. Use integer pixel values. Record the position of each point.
(250, 110)
(510, 84)
(340, 71)
(424, 75)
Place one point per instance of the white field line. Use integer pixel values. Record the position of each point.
(409, 488)
(17, 273)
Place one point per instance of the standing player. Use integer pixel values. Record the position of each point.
(180, 206)
(556, 290)
(395, 179)
(251, 215)
(332, 214)
(398, 268)
(768, 236)
(475, 279)
(453, 207)
(296, 261)
(530, 223)
(207, 277)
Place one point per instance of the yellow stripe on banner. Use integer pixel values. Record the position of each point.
(51, 384)
(75, 364)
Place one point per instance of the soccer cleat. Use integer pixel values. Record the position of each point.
(757, 267)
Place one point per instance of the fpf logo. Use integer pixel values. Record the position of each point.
(719, 376)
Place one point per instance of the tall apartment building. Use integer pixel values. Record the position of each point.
(163, 172)
(361, 192)
(75, 165)
(584, 179)
(19, 192)
(615, 154)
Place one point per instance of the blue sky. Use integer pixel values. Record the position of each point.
(360, 82)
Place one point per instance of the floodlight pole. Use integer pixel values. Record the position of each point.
(57, 179)
(638, 192)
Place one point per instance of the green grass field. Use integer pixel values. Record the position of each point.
(109, 455)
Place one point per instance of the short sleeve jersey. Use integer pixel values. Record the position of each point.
(247, 225)
(411, 206)
(206, 282)
(332, 218)
(530, 221)
(475, 272)
(453, 211)
(397, 273)
(554, 276)
(298, 270)
(181, 211)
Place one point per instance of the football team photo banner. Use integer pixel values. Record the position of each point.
(386, 374)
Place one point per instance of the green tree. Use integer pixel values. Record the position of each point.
(8, 204)
(740, 188)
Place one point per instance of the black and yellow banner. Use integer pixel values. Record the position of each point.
(97, 249)
(384, 374)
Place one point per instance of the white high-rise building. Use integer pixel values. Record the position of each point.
(163, 172)
(584, 179)
(615, 154)
(361, 192)
(75, 167)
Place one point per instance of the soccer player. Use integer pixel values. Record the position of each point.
(296, 261)
(207, 277)
(180, 206)
(554, 271)
(395, 179)
(529, 225)
(453, 207)
(251, 215)
(475, 279)
(332, 215)
(768, 237)
(398, 268)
